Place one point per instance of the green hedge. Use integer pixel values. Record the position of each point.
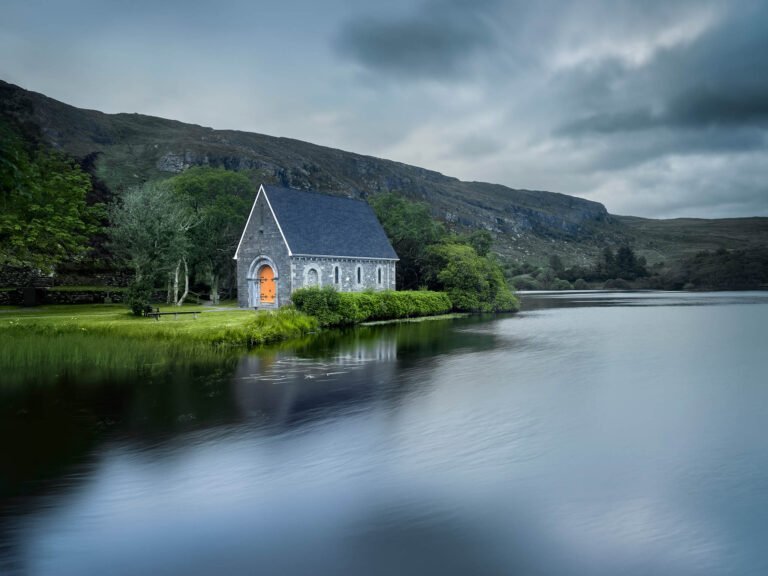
(333, 308)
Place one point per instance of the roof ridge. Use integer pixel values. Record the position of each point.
(315, 192)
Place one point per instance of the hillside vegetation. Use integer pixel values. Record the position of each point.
(124, 150)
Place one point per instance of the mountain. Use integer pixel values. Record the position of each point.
(127, 149)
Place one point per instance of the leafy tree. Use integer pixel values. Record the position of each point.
(412, 231)
(725, 269)
(606, 266)
(546, 278)
(481, 241)
(473, 283)
(556, 263)
(622, 264)
(459, 265)
(580, 284)
(150, 230)
(44, 217)
(525, 282)
(220, 200)
(628, 266)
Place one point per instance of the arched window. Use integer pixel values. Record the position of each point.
(335, 274)
(313, 279)
(359, 274)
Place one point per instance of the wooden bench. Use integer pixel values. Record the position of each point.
(156, 314)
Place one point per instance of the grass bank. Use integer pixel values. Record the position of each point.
(228, 327)
(25, 334)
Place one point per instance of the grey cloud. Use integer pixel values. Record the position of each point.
(569, 96)
(615, 152)
(436, 42)
(719, 80)
(611, 122)
(721, 105)
(476, 147)
(690, 196)
(697, 107)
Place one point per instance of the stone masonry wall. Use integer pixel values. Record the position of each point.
(325, 267)
(262, 238)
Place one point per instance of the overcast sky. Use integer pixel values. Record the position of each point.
(655, 108)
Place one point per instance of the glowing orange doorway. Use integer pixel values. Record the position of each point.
(267, 280)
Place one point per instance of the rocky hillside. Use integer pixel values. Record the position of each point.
(132, 148)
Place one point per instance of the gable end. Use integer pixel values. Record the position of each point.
(250, 215)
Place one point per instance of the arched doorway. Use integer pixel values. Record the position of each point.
(267, 281)
(262, 283)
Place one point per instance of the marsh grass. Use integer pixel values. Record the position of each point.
(108, 338)
(40, 358)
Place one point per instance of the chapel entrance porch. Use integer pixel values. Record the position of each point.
(262, 284)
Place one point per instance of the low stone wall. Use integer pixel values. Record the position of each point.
(40, 296)
(21, 277)
(10, 297)
(109, 278)
(82, 297)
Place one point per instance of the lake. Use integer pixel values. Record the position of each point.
(590, 434)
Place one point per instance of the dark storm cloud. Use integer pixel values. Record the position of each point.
(719, 80)
(719, 105)
(655, 108)
(436, 41)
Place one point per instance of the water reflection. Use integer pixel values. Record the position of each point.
(538, 300)
(343, 371)
(569, 439)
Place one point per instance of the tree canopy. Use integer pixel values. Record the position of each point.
(150, 228)
(411, 230)
(220, 200)
(44, 216)
(460, 265)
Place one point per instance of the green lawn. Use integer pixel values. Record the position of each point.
(226, 326)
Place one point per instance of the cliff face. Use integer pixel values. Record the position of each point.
(132, 148)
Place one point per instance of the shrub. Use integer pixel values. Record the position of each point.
(138, 296)
(560, 284)
(580, 284)
(525, 282)
(617, 284)
(473, 283)
(322, 303)
(333, 308)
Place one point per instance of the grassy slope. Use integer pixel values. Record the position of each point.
(224, 327)
(132, 148)
(529, 225)
(677, 238)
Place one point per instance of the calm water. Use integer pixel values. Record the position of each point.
(592, 434)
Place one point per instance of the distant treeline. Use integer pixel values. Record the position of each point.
(57, 218)
(722, 269)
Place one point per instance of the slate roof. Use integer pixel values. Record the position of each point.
(322, 225)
